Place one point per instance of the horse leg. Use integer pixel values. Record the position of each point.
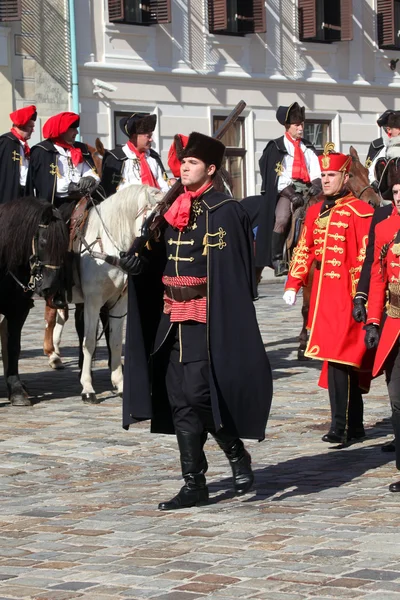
(116, 324)
(17, 393)
(91, 317)
(50, 319)
(4, 342)
(80, 330)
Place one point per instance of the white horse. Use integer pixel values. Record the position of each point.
(111, 228)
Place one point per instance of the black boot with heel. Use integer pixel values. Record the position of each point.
(239, 459)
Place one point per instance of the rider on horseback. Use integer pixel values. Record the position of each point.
(290, 170)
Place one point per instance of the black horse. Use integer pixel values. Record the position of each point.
(33, 245)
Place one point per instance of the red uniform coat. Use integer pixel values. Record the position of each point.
(337, 239)
(385, 270)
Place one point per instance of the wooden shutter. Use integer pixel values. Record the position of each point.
(10, 10)
(116, 10)
(160, 11)
(346, 20)
(217, 15)
(259, 16)
(386, 33)
(307, 19)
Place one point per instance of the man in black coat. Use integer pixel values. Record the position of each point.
(290, 171)
(377, 148)
(15, 153)
(210, 372)
(61, 170)
(135, 162)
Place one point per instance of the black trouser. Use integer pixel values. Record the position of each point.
(345, 398)
(392, 370)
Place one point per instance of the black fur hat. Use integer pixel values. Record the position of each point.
(205, 148)
(388, 175)
(394, 119)
(383, 119)
(138, 123)
(287, 115)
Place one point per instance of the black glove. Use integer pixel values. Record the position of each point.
(85, 186)
(371, 336)
(297, 201)
(316, 187)
(132, 264)
(359, 312)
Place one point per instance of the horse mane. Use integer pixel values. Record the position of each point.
(19, 222)
(120, 212)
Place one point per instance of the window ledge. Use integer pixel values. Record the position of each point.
(126, 29)
(229, 40)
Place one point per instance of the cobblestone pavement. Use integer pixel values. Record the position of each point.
(79, 494)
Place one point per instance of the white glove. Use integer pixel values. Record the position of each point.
(290, 297)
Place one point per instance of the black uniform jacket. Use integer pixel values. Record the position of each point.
(10, 149)
(240, 374)
(380, 214)
(113, 163)
(374, 148)
(270, 162)
(42, 173)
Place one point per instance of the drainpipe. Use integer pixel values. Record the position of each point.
(74, 60)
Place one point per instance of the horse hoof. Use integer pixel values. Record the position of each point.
(90, 398)
(301, 356)
(20, 399)
(55, 362)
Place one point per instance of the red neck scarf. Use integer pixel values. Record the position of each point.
(76, 153)
(27, 150)
(299, 169)
(179, 212)
(146, 174)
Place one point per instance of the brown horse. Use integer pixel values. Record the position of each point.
(360, 186)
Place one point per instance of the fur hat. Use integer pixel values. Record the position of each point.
(138, 123)
(394, 119)
(383, 119)
(205, 148)
(287, 115)
(388, 174)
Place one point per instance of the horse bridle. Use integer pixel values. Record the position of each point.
(367, 187)
(36, 265)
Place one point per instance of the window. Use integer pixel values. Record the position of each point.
(389, 23)
(235, 154)
(10, 10)
(139, 12)
(318, 133)
(325, 20)
(236, 17)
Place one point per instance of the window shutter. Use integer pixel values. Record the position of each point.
(115, 10)
(10, 10)
(160, 11)
(307, 19)
(259, 16)
(386, 33)
(217, 15)
(346, 18)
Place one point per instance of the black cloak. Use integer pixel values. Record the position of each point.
(113, 163)
(374, 148)
(272, 157)
(42, 173)
(10, 149)
(240, 373)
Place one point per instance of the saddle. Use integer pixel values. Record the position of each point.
(77, 221)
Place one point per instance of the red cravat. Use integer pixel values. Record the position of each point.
(27, 150)
(299, 169)
(179, 212)
(76, 153)
(146, 174)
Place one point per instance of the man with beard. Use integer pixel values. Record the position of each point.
(335, 235)
(15, 153)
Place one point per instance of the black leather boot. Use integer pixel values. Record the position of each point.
(194, 465)
(277, 244)
(239, 459)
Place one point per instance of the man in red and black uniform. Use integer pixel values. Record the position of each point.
(15, 153)
(210, 371)
(385, 275)
(61, 170)
(335, 235)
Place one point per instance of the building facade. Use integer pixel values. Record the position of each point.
(191, 61)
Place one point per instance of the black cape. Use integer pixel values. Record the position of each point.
(273, 154)
(374, 148)
(113, 163)
(41, 180)
(240, 374)
(10, 148)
